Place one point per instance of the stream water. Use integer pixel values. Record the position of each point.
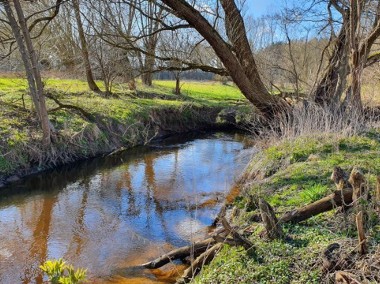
(111, 214)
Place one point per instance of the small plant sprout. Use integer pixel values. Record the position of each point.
(61, 273)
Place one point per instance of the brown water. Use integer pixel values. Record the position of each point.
(111, 214)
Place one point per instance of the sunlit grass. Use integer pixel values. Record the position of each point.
(298, 172)
(124, 108)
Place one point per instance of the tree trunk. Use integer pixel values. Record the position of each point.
(242, 70)
(356, 61)
(147, 76)
(151, 42)
(85, 55)
(177, 84)
(331, 87)
(30, 61)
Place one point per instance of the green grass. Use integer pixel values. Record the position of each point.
(293, 180)
(122, 116)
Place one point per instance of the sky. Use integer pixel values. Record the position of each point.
(258, 8)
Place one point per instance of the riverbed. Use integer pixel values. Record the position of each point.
(113, 213)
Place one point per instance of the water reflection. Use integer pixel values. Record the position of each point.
(114, 213)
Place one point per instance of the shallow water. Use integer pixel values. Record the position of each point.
(111, 214)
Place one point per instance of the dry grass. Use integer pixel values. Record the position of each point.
(309, 119)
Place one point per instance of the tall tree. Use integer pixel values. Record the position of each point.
(151, 25)
(85, 54)
(21, 33)
(235, 54)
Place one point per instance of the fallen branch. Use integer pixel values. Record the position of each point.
(239, 240)
(204, 259)
(180, 253)
(61, 105)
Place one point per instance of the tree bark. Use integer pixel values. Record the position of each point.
(245, 75)
(84, 49)
(151, 42)
(330, 88)
(356, 63)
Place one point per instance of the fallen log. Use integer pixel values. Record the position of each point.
(204, 259)
(180, 253)
(341, 197)
(336, 199)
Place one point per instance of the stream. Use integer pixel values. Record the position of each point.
(111, 214)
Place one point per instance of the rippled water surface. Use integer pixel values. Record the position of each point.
(112, 214)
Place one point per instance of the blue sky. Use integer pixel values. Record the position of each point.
(258, 8)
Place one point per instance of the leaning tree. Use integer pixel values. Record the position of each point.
(340, 84)
(234, 51)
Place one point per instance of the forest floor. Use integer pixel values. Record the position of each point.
(88, 124)
(290, 174)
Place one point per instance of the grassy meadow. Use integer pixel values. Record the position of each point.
(106, 123)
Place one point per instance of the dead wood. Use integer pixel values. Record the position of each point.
(357, 181)
(180, 253)
(336, 199)
(61, 105)
(340, 178)
(343, 277)
(239, 239)
(361, 233)
(272, 227)
(198, 263)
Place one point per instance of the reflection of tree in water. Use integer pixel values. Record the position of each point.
(79, 220)
(153, 192)
(39, 248)
(146, 186)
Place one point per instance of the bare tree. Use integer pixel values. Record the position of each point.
(150, 24)
(85, 54)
